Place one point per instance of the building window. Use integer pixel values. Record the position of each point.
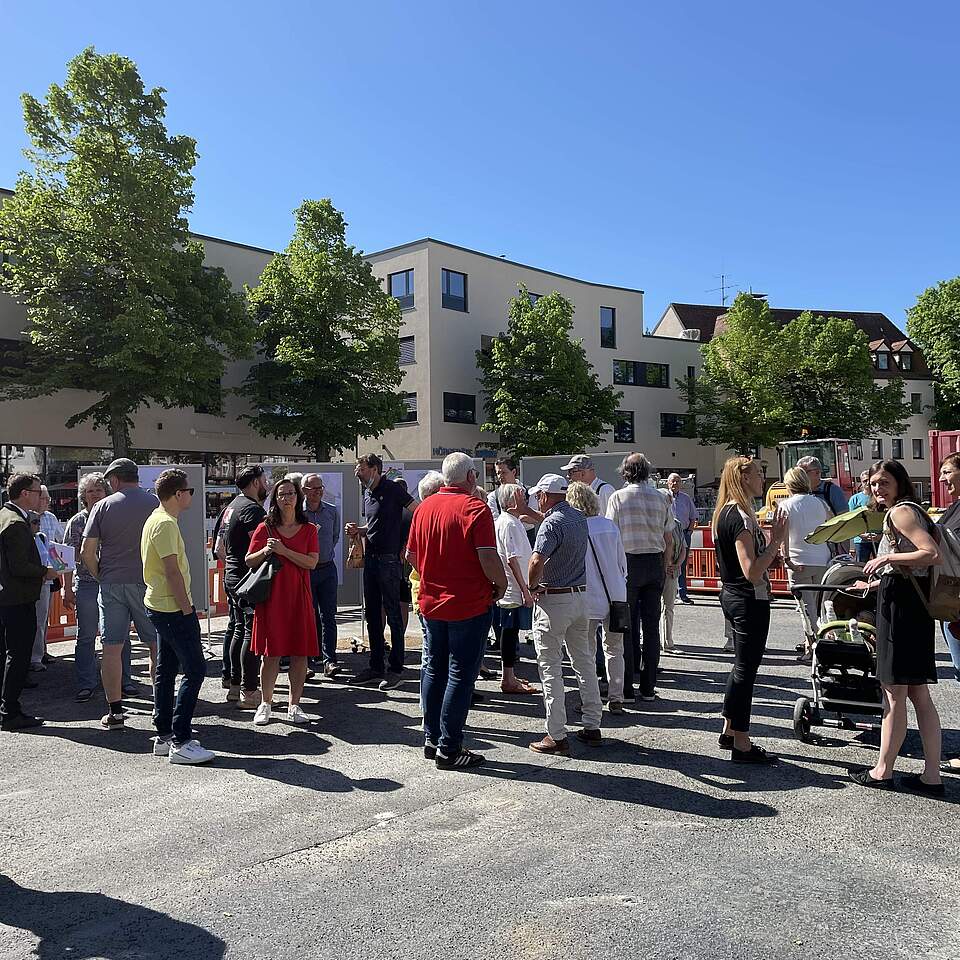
(408, 351)
(858, 450)
(410, 400)
(883, 360)
(917, 449)
(608, 327)
(453, 288)
(896, 449)
(12, 354)
(906, 361)
(533, 298)
(675, 425)
(916, 403)
(691, 373)
(623, 427)
(641, 374)
(401, 287)
(876, 449)
(460, 408)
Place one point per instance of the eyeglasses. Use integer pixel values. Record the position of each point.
(314, 488)
(186, 490)
(292, 495)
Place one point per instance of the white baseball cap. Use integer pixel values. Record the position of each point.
(550, 483)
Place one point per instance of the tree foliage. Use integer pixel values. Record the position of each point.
(762, 383)
(541, 394)
(118, 301)
(933, 323)
(329, 354)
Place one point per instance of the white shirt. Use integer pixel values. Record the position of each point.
(603, 490)
(805, 513)
(512, 543)
(605, 540)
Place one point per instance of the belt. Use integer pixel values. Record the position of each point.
(565, 589)
(384, 556)
(320, 566)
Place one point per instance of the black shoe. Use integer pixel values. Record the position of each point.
(754, 755)
(913, 782)
(461, 761)
(725, 741)
(687, 600)
(366, 676)
(429, 751)
(83, 695)
(863, 778)
(112, 721)
(392, 680)
(22, 721)
(593, 738)
(46, 658)
(30, 685)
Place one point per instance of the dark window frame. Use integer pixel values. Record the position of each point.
(612, 336)
(451, 301)
(916, 403)
(413, 341)
(410, 409)
(876, 449)
(620, 418)
(883, 355)
(406, 300)
(636, 373)
(896, 448)
(468, 410)
(905, 360)
(915, 445)
(680, 425)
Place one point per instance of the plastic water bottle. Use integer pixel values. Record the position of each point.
(829, 612)
(855, 635)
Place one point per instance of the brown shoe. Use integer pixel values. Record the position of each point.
(549, 745)
(250, 699)
(591, 737)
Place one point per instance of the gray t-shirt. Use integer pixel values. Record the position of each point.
(117, 522)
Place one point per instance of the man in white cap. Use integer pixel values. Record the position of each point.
(558, 575)
(581, 468)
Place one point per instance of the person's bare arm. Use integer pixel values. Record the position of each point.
(412, 560)
(753, 566)
(69, 598)
(171, 570)
(90, 556)
(535, 572)
(306, 560)
(493, 570)
(905, 520)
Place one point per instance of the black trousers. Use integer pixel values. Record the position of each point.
(242, 663)
(748, 620)
(381, 590)
(18, 628)
(644, 594)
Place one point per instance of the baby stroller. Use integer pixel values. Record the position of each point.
(844, 665)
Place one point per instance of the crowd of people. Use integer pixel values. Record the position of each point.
(592, 571)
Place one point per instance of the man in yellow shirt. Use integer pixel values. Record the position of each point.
(170, 609)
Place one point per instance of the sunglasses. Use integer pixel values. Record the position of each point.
(186, 490)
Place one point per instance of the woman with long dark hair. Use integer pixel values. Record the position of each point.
(950, 478)
(284, 625)
(743, 559)
(906, 661)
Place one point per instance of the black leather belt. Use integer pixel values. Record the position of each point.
(565, 589)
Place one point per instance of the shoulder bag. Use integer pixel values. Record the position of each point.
(619, 616)
(255, 586)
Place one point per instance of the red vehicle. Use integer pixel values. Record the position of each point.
(942, 443)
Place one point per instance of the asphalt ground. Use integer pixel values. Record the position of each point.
(340, 840)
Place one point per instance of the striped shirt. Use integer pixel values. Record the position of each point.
(51, 527)
(562, 540)
(643, 515)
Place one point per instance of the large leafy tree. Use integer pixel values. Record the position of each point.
(329, 354)
(541, 394)
(118, 301)
(933, 322)
(762, 382)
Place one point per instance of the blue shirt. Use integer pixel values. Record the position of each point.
(836, 499)
(685, 510)
(858, 500)
(327, 522)
(562, 540)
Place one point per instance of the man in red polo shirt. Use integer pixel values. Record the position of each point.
(453, 548)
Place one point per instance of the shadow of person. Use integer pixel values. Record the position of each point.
(75, 924)
(296, 773)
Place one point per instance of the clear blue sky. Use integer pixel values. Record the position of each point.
(810, 151)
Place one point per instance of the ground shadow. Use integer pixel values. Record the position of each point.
(76, 925)
(296, 773)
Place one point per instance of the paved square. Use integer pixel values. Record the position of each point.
(339, 840)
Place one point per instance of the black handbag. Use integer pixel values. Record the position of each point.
(619, 616)
(256, 584)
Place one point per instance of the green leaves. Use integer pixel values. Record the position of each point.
(540, 392)
(118, 300)
(933, 322)
(329, 354)
(762, 383)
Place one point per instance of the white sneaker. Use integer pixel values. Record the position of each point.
(296, 715)
(262, 717)
(161, 746)
(190, 752)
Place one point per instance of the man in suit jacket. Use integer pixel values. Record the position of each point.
(21, 580)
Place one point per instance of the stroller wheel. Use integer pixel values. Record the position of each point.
(802, 719)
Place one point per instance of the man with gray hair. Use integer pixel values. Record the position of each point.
(323, 578)
(645, 520)
(557, 575)
(685, 510)
(828, 491)
(453, 548)
(582, 469)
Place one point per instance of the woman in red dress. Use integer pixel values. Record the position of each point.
(284, 625)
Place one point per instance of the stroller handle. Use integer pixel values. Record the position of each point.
(822, 588)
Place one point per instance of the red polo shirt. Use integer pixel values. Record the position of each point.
(445, 534)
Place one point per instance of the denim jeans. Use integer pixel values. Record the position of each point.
(424, 660)
(88, 619)
(381, 592)
(645, 575)
(682, 579)
(323, 584)
(456, 651)
(953, 645)
(119, 604)
(749, 620)
(179, 649)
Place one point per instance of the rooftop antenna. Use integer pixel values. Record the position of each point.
(726, 285)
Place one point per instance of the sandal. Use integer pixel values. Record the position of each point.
(950, 766)
(522, 687)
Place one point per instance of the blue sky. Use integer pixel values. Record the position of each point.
(810, 151)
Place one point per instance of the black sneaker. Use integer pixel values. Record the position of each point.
(913, 782)
(725, 741)
(863, 778)
(754, 755)
(113, 721)
(22, 721)
(83, 695)
(392, 680)
(461, 761)
(429, 751)
(366, 676)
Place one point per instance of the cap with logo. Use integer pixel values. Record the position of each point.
(579, 461)
(551, 483)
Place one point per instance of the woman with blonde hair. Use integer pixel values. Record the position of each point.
(743, 559)
(805, 562)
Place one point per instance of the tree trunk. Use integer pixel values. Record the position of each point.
(321, 454)
(119, 434)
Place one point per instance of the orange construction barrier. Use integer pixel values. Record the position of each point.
(702, 576)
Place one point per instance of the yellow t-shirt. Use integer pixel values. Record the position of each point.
(161, 538)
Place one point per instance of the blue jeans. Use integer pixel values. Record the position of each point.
(424, 660)
(456, 651)
(863, 551)
(88, 620)
(179, 649)
(682, 582)
(323, 584)
(119, 604)
(953, 645)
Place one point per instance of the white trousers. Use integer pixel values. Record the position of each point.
(666, 618)
(613, 655)
(558, 619)
(43, 615)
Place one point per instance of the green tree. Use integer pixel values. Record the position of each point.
(762, 383)
(329, 354)
(933, 323)
(118, 301)
(540, 392)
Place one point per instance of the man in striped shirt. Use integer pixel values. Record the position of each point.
(645, 520)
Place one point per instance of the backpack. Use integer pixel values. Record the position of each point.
(943, 602)
(824, 495)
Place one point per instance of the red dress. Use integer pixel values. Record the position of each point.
(285, 626)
